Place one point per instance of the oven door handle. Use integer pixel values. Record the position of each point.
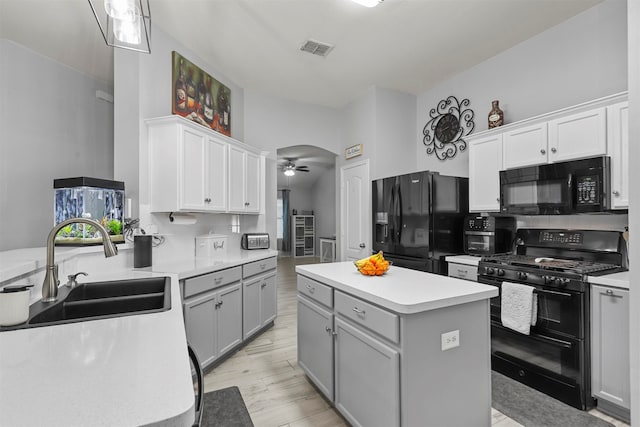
(544, 291)
(555, 341)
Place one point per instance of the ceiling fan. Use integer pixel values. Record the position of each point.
(290, 168)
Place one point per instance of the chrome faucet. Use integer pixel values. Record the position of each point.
(51, 282)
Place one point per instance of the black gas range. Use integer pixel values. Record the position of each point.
(555, 357)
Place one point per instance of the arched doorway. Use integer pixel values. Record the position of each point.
(306, 183)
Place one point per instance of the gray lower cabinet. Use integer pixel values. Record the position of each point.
(259, 295)
(610, 370)
(367, 378)
(315, 344)
(213, 322)
(382, 369)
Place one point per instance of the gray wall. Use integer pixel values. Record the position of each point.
(53, 126)
(581, 59)
(323, 202)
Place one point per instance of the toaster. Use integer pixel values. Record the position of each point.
(254, 241)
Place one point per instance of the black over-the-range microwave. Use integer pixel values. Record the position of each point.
(576, 186)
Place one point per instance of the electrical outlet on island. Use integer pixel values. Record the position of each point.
(450, 339)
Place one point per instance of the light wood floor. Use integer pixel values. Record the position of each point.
(274, 388)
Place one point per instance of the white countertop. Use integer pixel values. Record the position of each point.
(190, 266)
(400, 289)
(618, 280)
(464, 259)
(123, 371)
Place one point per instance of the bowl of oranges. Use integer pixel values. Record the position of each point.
(375, 265)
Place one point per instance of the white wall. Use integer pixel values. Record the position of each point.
(581, 59)
(52, 126)
(272, 123)
(395, 119)
(634, 202)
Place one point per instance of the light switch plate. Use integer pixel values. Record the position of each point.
(450, 339)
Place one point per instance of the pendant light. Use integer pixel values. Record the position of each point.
(124, 23)
(368, 3)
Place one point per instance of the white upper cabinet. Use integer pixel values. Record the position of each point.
(618, 149)
(485, 162)
(578, 136)
(525, 146)
(244, 181)
(193, 169)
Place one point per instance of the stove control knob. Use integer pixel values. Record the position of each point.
(522, 275)
(564, 283)
(490, 270)
(557, 281)
(500, 272)
(547, 280)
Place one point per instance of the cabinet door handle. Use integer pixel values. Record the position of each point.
(616, 193)
(247, 203)
(553, 149)
(207, 200)
(263, 285)
(498, 199)
(358, 311)
(543, 151)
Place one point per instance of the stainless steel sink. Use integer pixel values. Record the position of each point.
(101, 300)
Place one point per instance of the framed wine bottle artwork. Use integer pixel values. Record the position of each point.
(199, 97)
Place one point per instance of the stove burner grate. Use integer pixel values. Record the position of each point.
(552, 264)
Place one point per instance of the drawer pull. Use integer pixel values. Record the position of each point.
(462, 272)
(311, 289)
(217, 280)
(609, 292)
(358, 311)
(263, 285)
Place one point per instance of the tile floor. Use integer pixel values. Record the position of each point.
(274, 388)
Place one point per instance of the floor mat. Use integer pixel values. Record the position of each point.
(532, 408)
(225, 408)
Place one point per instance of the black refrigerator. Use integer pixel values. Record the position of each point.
(418, 219)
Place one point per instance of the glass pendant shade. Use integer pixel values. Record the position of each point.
(124, 23)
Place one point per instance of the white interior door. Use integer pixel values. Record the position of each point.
(355, 208)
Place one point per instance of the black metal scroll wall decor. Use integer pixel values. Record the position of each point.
(451, 121)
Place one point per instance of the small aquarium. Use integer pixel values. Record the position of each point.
(99, 199)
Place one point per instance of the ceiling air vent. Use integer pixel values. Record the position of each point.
(316, 48)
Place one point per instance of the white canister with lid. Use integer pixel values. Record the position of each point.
(14, 304)
(211, 246)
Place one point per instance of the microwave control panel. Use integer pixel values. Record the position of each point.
(588, 190)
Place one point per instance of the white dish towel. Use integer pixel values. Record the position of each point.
(519, 307)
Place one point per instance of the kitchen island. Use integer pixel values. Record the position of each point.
(404, 349)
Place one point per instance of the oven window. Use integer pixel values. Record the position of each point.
(478, 244)
(558, 356)
(559, 312)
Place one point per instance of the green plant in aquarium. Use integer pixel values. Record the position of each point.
(114, 226)
(66, 231)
